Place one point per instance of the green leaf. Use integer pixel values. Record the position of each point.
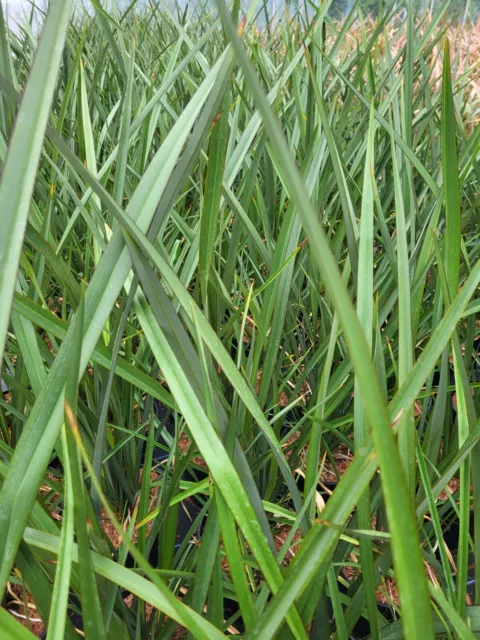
(59, 606)
(12, 628)
(213, 191)
(408, 561)
(19, 170)
(43, 426)
(365, 316)
(451, 183)
(91, 609)
(157, 596)
(211, 447)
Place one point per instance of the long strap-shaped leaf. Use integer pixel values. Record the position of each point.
(405, 542)
(41, 431)
(451, 183)
(209, 443)
(194, 316)
(58, 328)
(163, 599)
(365, 315)
(13, 629)
(144, 316)
(314, 553)
(19, 171)
(218, 465)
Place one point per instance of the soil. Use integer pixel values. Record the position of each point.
(16, 607)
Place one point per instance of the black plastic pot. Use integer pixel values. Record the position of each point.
(166, 419)
(73, 613)
(452, 537)
(188, 511)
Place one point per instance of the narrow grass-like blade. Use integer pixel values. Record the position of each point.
(365, 316)
(408, 561)
(91, 609)
(59, 606)
(42, 428)
(451, 183)
(160, 597)
(12, 628)
(19, 170)
(213, 191)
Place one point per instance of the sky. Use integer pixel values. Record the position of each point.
(13, 6)
(16, 8)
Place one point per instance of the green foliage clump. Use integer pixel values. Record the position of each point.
(240, 345)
